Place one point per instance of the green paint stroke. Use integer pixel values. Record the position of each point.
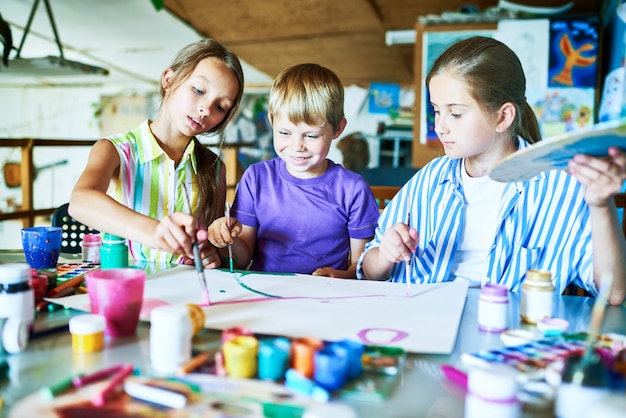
(248, 272)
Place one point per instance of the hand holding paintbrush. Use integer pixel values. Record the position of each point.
(196, 256)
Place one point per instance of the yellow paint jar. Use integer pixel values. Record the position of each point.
(87, 333)
(240, 356)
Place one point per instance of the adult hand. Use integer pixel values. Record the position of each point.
(602, 177)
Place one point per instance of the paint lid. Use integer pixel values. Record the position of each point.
(493, 382)
(497, 290)
(552, 324)
(91, 240)
(112, 239)
(13, 273)
(15, 335)
(87, 324)
(171, 315)
(518, 336)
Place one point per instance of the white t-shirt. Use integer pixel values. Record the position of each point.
(482, 202)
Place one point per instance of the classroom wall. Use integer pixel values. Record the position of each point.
(70, 113)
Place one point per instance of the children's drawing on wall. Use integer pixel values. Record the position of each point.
(384, 98)
(252, 126)
(562, 110)
(434, 43)
(612, 99)
(528, 38)
(573, 52)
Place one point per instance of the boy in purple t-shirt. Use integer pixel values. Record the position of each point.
(300, 212)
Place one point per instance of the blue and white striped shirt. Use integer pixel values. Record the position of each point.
(543, 223)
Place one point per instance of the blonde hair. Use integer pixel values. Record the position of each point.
(208, 162)
(307, 93)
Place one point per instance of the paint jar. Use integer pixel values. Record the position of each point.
(170, 338)
(331, 366)
(240, 356)
(87, 333)
(197, 316)
(303, 353)
(91, 244)
(355, 355)
(492, 392)
(113, 252)
(493, 308)
(17, 299)
(273, 358)
(537, 299)
(13, 335)
(39, 283)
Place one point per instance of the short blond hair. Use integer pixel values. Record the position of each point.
(307, 93)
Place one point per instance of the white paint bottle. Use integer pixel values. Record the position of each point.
(171, 332)
(493, 308)
(537, 299)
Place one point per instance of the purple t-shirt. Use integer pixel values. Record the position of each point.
(304, 224)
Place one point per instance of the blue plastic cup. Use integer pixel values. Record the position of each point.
(42, 246)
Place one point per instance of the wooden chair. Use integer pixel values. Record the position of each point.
(383, 194)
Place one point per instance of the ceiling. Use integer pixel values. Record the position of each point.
(135, 42)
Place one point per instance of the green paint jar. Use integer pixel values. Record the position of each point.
(113, 252)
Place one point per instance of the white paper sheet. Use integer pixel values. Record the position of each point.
(378, 313)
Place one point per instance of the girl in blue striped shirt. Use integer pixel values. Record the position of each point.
(462, 224)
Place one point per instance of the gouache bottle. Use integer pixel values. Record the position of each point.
(91, 248)
(493, 308)
(537, 299)
(171, 332)
(17, 299)
(87, 333)
(113, 252)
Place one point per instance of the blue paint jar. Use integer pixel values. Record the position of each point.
(355, 353)
(331, 366)
(273, 358)
(113, 252)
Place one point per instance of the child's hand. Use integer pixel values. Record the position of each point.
(174, 234)
(602, 177)
(398, 243)
(220, 235)
(331, 272)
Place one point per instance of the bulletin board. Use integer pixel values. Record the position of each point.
(298, 305)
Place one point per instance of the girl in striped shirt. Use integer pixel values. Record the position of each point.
(132, 185)
(464, 225)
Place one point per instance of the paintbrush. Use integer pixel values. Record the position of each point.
(196, 256)
(595, 325)
(407, 267)
(230, 246)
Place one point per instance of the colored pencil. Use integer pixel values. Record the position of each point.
(100, 398)
(193, 364)
(83, 380)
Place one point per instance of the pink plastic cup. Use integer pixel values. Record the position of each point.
(117, 294)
